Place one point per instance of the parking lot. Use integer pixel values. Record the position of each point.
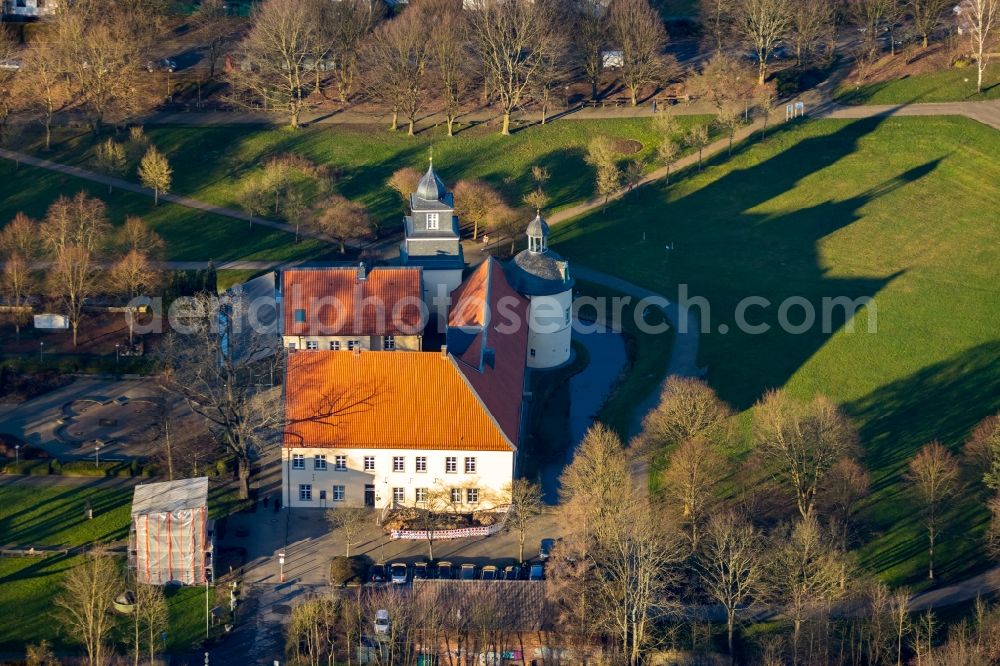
(400, 573)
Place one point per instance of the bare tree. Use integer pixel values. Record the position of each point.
(762, 24)
(731, 566)
(10, 80)
(802, 442)
(927, 16)
(511, 38)
(342, 220)
(224, 384)
(806, 571)
(697, 137)
(353, 521)
(935, 475)
(475, 201)
(603, 156)
(525, 502)
(717, 20)
(41, 655)
(136, 235)
(343, 28)
(396, 60)
(132, 275)
(811, 23)
(276, 58)
(846, 484)
(212, 18)
(79, 220)
(155, 173)
(591, 38)
(46, 87)
(982, 450)
(688, 409)
(694, 470)
(86, 604)
(151, 618)
(404, 182)
(598, 474)
(110, 159)
(982, 16)
(636, 29)
(311, 630)
(18, 247)
(449, 56)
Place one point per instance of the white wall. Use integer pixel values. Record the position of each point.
(550, 329)
(374, 342)
(494, 469)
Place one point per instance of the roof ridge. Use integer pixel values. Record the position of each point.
(482, 403)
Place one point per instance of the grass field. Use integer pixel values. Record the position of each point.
(949, 85)
(900, 210)
(209, 163)
(54, 517)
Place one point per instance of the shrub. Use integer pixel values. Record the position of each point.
(346, 571)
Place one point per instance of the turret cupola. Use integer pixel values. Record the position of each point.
(538, 235)
(430, 187)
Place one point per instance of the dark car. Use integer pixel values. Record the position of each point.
(537, 572)
(489, 573)
(468, 572)
(420, 571)
(445, 571)
(545, 548)
(376, 573)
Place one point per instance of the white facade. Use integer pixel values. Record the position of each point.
(352, 342)
(550, 329)
(438, 285)
(332, 477)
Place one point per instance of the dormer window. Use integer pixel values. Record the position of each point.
(300, 316)
(433, 221)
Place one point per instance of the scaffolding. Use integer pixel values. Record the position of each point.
(171, 536)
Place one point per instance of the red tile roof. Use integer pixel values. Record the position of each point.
(334, 301)
(413, 400)
(487, 308)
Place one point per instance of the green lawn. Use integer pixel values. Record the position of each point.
(949, 85)
(191, 235)
(54, 517)
(901, 210)
(210, 162)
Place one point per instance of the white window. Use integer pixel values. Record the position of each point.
(398, 464)
(433, 221)
(291, 345)
(456, 495)
(353, 344)
(319, 462)
(388, 343)
(340, 463)
(421, 463)
(312, 345)
(338, 493)
(421, 495)
(335, 345)
(399, 495)
(470, 465)
(472, 495)
(369, 463)
(305, 492)
(451, 465)
(298, 461)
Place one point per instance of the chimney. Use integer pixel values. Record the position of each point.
(362, 272)
(444, 351)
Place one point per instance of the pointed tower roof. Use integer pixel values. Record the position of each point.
(430, 187)
(538, 228)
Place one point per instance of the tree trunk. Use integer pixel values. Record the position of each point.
(925, 41)
(505, 129)
(451, 124)
(520, 548)
(409, 128)
(131, 324)
(156, 196)
(395, 121)
(244, 477)
(170, 448)
(343, 247)
(634, 94)
(730, 623)
(761, 72)
(48, 128)
(76, 325)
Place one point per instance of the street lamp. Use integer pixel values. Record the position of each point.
(117, 352)
(41, 349)
(97, 454)
(281, 564)
(17, 454)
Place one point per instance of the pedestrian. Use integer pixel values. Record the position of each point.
(654, 105)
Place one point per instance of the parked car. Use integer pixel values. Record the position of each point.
(164, 65)
(545, 548)
(468, 572)
(10, 64)
(511, 572)
(537, 572)
(397, 571)
(489, 572)
(382, 623)
(420, 571)
(445, 571)
(376, 573)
